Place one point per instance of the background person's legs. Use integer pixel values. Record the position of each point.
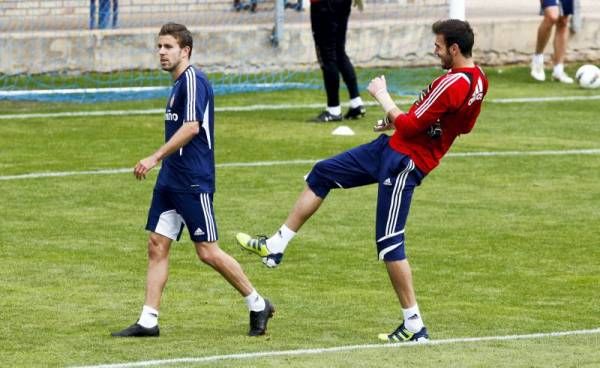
(103, 13)
(561, 38)
(543, 36)
(115, 13)
(545, 28)
(324, 29)
(92, 14)
(343, 61)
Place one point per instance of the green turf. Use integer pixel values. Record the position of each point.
(499, 245)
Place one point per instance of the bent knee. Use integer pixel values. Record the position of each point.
(319, 182)
(208, 252)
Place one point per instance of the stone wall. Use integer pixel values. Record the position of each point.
(246, 48)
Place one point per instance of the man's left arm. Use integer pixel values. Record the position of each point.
(181, 137)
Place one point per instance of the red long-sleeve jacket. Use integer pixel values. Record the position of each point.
(447, 108)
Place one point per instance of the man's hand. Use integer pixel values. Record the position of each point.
(383, 125)
(358, 4)
(143, 166)
(378, 89)
(377, 86)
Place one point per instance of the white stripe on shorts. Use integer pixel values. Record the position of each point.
(208, 218)
(386, 250)
(390, 235)
(396, 200)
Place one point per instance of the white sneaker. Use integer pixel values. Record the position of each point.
(562, 78)
(537, 71)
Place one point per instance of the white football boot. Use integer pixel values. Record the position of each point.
(562, 77)
(537, 71)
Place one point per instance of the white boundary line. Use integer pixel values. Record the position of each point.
(130, 170)
(73, 91)
(262, 107)
(593, 151)
(335, 349)
(544, 99)
(258, 107)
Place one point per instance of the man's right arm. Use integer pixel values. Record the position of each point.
(378, 89)
(181, 137)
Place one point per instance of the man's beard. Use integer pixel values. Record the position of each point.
(168, 69)
(446, 63)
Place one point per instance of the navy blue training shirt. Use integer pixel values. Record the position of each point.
(191, 168)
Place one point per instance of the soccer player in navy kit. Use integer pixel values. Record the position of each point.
(447, 108)
(183, 193)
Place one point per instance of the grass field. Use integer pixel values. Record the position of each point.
(500, 244)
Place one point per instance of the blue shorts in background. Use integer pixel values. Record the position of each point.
(565, 6)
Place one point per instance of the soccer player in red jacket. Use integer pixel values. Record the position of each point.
(447, 108)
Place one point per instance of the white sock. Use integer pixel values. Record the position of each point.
(149, 317)
(335, 110)
(558, 69)
(356, 102)
(279, 241)
(254, 301)
(538, 58)
(412, 319)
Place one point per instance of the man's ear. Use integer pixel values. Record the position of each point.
(187, 50)
(454, 49)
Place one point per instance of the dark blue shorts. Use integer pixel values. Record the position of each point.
(396, 175)
(170, 211)
(565, 6)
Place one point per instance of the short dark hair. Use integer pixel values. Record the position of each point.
(179, 33)
(456, 31)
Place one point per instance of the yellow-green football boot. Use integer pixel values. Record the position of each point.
(258, 246)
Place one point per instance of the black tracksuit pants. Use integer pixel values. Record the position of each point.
(329, 21)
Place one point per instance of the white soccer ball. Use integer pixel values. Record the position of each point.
(588, 76)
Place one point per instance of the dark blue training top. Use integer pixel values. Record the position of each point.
(192, 168)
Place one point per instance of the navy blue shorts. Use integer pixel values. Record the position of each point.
(170, 211)
(397, 177)
(565, 6)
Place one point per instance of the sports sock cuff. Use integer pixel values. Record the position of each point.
(150, 310)
(559, 68)
(286, 233)
(279, 241)
(254, 301)
(148, 317)
(412, 318)
(410, 312)
(335, 110)
(356, 102)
